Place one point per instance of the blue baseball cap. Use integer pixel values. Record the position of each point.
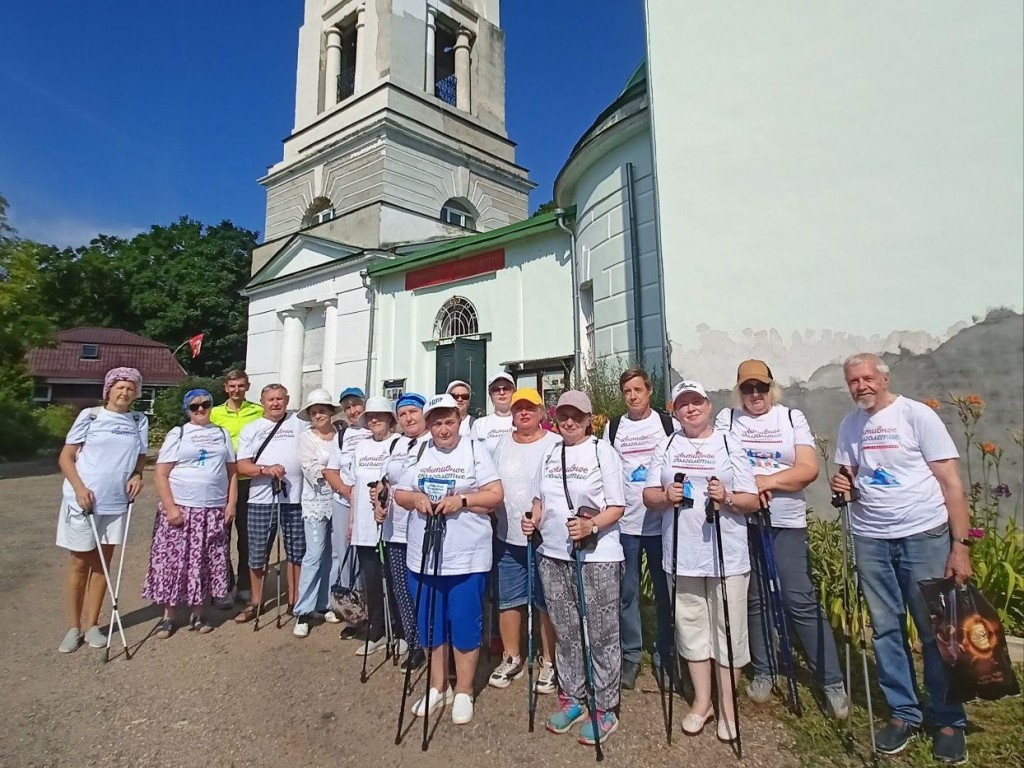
(351, 392)
(411, 398)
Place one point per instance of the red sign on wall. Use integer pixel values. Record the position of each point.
(457, 269)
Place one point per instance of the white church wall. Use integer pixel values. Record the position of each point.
(849, 181)
(525, 309)
(601, 197)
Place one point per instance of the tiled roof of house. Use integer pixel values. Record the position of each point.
(116, 348)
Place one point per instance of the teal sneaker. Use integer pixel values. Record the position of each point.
(570, 712)
(607, 722)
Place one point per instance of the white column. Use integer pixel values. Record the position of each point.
(462, 78)
(428, 80)
(361, 48)
(327, 365)
(333, 67)
(292, 341)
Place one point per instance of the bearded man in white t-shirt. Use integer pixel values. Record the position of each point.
(909, 524)
(635, 435)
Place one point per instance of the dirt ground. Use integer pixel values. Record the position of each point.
(239, 698)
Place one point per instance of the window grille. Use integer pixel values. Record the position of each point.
(457, 317)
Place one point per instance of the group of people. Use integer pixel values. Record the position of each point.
(434, 514)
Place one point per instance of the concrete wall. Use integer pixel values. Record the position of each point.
(834, 176)
(526, 308)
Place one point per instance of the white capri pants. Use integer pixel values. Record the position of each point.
(700, 619)
(75, 533)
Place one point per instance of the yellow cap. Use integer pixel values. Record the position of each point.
(528, 394)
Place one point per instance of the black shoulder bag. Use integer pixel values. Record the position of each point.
(590, 542)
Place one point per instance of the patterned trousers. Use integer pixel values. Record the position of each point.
(405, 625)
(601, 586)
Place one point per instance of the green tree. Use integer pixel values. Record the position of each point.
(547, 207)
(184, 279)
(89, 285)
(24, 317)
(6, 230)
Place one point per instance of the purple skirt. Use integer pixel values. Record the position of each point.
(188, 563)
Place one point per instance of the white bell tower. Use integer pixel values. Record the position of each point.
(399, 131)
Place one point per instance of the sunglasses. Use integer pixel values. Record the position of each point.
(754, 387)
(501, 388)
(461, 397)
(197, 407)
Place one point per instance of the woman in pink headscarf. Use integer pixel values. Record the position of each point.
(102, 461)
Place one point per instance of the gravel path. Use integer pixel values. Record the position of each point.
(238, 698)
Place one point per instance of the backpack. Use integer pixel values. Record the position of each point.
(341, 434)
(666, 424)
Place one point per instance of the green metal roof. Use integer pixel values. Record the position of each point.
(471, 244)
(639, 75)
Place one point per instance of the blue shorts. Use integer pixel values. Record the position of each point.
(263, 529)
(510, 571)
(458, 609)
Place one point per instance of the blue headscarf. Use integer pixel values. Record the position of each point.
(411, 398)
(193, 393)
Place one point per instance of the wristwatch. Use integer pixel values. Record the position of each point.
(465, 503)
(966, 542)
(594, 529)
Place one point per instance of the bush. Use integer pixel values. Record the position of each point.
(167, 406)
(54, 421)
(20, 435)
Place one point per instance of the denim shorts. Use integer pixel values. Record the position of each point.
(510, 570)
(458, 608)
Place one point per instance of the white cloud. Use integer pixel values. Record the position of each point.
(69, 232)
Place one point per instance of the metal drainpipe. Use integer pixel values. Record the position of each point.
(367, 283)
(560, 220)
(634, 248)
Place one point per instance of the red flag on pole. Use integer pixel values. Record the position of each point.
(196, 344)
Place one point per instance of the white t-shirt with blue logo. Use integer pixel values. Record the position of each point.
(464, 469)
(700, 460)
(635, 442)
(770, 442)
(200, 455)
(111, 445)
(899, 495)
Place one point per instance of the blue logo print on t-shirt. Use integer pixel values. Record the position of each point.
(639, 475)
(881, 477)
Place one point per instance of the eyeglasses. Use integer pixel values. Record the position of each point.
(462, 397)
(754, 387)
(197, 407)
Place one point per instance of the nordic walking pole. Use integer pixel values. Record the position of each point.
(714, 515)
(117, 584)
(115, 614)
(588, 661)
(408, 667)
(436, 523)
(674, 660)
(767, 619)
(764, 522)
(841, 501)
(531, 697)
(277, 553)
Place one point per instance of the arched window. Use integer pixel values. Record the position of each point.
(319, 211)
(458, 213)
(456, 318)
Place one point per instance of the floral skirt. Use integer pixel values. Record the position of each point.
(188, 563)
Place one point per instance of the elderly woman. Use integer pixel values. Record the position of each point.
(780, 447)
(453, 478)
(395, 519)
(462, 393)
(578, 500)
(352, 482)
(195, 479)
(102, 461)
(715, 471)
(314, 450)
(518, 456)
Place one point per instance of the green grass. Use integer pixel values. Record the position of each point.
(995, 735)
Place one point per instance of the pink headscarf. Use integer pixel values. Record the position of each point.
(115, 375)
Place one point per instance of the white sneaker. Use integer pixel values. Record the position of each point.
(368, 649)
(462, 709)
(437, 700)
(331, 617)
(401, 647)
(545, 678)
(511, 668)
(301, 627)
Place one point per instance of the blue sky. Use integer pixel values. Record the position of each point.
(118, 115)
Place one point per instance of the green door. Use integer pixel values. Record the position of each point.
(465, 359)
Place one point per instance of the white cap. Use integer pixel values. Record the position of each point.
(688, 386)
(501, 376)
(440, 402)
